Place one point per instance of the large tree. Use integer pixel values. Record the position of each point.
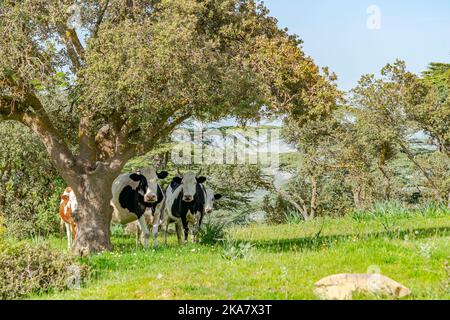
(430, 105)
(389, 110)
(104, 86)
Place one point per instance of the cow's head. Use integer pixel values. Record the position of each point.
(210, 198)
(148, 183)
(189, 182)
(65, 197)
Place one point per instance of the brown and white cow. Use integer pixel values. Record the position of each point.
(67, 207)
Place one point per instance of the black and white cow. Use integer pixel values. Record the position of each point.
(137, 194)
(210, 198)
(185, 202)
(208, 207)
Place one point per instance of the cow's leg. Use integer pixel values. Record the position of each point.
(72, 226)
(145, 232)
(192, 231)
(69, 235)
(165, 222)
(178, 228)
(195, 231)
(185, 227)
(166, 228)
(62, 226)
(200, 220)
(199, 225)
(156, 218)
(137, 236)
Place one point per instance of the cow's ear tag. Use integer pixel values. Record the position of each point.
(201, 179)
(135, 177)
(162, 174)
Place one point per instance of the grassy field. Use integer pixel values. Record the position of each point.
(275, 262)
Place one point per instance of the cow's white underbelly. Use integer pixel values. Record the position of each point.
(124, 216)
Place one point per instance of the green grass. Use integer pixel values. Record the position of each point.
(275, 262)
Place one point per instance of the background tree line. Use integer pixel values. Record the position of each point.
(387, 142)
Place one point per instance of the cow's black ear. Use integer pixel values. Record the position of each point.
(162, 174)
(201, 179)
(177, 179)
(217, 196)
(135, 177)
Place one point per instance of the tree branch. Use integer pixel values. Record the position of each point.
(11, 108)
(165, 131)
(73, 45)
(73, 36)
(87, 145)
(38, 121)
(287, 197)
(100, 19)
(427, 176)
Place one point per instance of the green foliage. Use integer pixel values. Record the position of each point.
(293, 217)
(439, 164)
(214, 226)
(27, 268)
(117, 229)
(276, 209)
(438, 74)
(2, 228)
(233, 249)
(212, 231)
(30, 188)
(398, 210)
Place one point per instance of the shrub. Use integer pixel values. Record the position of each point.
(232, 249)
(275, 208)
(433, 209)
(397, 209)
(293, 217)
(212, 231)
(36, 269)
(117, 229)
(29, 185)
(214, 226)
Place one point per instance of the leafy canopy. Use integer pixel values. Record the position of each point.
(131, 71)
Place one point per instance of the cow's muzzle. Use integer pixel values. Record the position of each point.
(150, 198)
(188, 198)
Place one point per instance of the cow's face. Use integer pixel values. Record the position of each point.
(210, 198)
(151, 188)
(189, 182)
(142, 187)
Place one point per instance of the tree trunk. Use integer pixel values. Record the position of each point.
(314, 196)
(448, 201)
(357, 197)
(94, 214)
(387, 180)
(303, 209)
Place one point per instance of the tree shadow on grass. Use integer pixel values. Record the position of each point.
(127, 244)
(317, 242)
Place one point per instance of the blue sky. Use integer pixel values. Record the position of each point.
(336, 33)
